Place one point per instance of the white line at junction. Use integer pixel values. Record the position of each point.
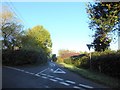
(53, 80)
(64, 83)
(68, 81)
(78, 87)
(58, 78)
(86, 86)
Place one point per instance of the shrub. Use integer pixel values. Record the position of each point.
(107, 62)
(84, 62)
(22, 57)
(67, 61)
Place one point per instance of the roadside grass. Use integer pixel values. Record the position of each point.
(94, 76)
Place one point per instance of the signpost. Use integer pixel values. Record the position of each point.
(89, 47)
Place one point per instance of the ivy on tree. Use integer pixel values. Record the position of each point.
(103, 20)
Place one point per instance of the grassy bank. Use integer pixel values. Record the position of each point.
(94, 76)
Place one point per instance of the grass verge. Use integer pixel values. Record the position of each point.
(94, 76)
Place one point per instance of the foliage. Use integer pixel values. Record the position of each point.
(54, 58)
(37, 38)
(104, 19)
(11, 29)
(94, 76)
(107, 62)
(22, 57)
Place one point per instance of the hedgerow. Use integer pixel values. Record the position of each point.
(22, 57)
(107, 62)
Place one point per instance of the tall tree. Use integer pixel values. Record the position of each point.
(103, 20)
(38, 37)
(11, 29)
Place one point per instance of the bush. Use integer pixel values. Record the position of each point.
(67, 61)
(22, 57)
(84, 62)
(107, 62)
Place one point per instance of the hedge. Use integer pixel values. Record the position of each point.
(107, 62)
(22, 57)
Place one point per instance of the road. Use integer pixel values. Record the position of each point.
(50, 75)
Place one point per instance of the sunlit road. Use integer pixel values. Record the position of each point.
(50, 75)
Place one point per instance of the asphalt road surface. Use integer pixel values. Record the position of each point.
(50, 75)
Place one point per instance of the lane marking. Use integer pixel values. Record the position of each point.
(58, 78)
(43, 74)
(68, 81)
(27, 72)
(44, 77)
(58, 70)
(17, 69)
(86, 86)
(78, 87)
(13, 68)
(42, 71)
(31, 73)
(53, 80)
(52, 64)
(64, 83)
(50, 76)
(37, 75)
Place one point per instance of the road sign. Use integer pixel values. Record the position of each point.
(89, 46)
(59, 71)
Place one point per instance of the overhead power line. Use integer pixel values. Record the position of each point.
(16, 12)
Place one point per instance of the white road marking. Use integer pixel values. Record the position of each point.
(50, 76)
(58, 78)
(27, 72)
(58, 70)
(86, 86)
(52, 64)
(37, 75)
(20, 70)
(53, 80)
(51, 70)
(64, 83)
(68, 81)
(31, 73)
(42, 71)
(23, 71)
(78, 87)
(13, 68)
(43, 74)
(44, 77)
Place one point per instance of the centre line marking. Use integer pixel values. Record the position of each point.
(70, 82)
(43, 74)
(37, 75)
(86, 86)
(31, 73)
(50, 76)
(53, 80)
(58, 78)
(64, 83)
(44, 77)
(78, 87)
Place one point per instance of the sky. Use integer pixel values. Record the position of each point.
(67, 22)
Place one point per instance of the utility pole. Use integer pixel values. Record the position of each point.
(119, 31)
